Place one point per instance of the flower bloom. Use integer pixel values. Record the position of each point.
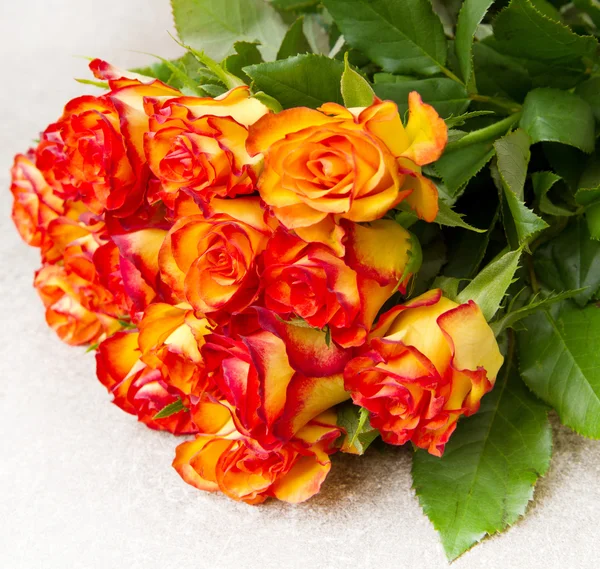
(292, 473)
(35, 202)
(83, 156)
(230, 263)
(310, 281)
(210, 260)
(276, 379)
(428, 362)
(161, 363)
(72, 306)
(144, 391)
(198, 145)
(337, 163)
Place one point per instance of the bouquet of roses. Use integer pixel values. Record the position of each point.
(261, 241)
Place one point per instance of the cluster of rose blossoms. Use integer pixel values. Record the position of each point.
(228, 265)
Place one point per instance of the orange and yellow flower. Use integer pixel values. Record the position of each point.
(210, 260)
(230, 262)
(310, 281)
(292, 473)
(83, 156)
(276, 380)
(428, 362)
(35, 203)
(336, 163)
(144, 390)
(74, 306)
(197, 146)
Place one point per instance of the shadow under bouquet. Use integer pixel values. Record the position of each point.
(334, 222)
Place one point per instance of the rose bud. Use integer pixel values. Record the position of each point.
(293, 472)
(428, 362)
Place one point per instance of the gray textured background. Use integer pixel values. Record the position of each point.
(83, 486)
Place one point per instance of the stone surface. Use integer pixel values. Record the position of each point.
(83, 486)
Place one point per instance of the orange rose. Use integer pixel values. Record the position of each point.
(323, 165)
(310, 281)
(277, 379)
(83, 156)
(170, 340)
(143, 390)
(72, 306)
(35, 203)
(138, 262)
(292, 473)
(197, 145)
(429, 361)
(210, 260)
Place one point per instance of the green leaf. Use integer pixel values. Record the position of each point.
(466, 157)
(589, 91)
(356, 90)
(592, 218)
(448, 217)
(513, 158)
(245, 54)
(300, 81)
(449, 286)
(180, 77)
(170, 409)
(558, 116)
(588, 184)
(213, 26)
(100, 84)
(539, 302)
(570, 261)
(546, 8)
(415, 257)
(359, 433)
(567, 161)
(213, 90)
(499, 75)
(484, 481)
(542, 183)
(268, 101)
(457, 167)
(294, 5)
(588, 195)
(447, 10)
(126, 324)
(523, 31)
(459, 120)
(470, 16)
(591, 8)
(560, 362)
(294, 42)
(158, 70)
(446, 96)
(467, 249)
(229, 80)
(401, 37)
(488, 288)
(434, 257)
